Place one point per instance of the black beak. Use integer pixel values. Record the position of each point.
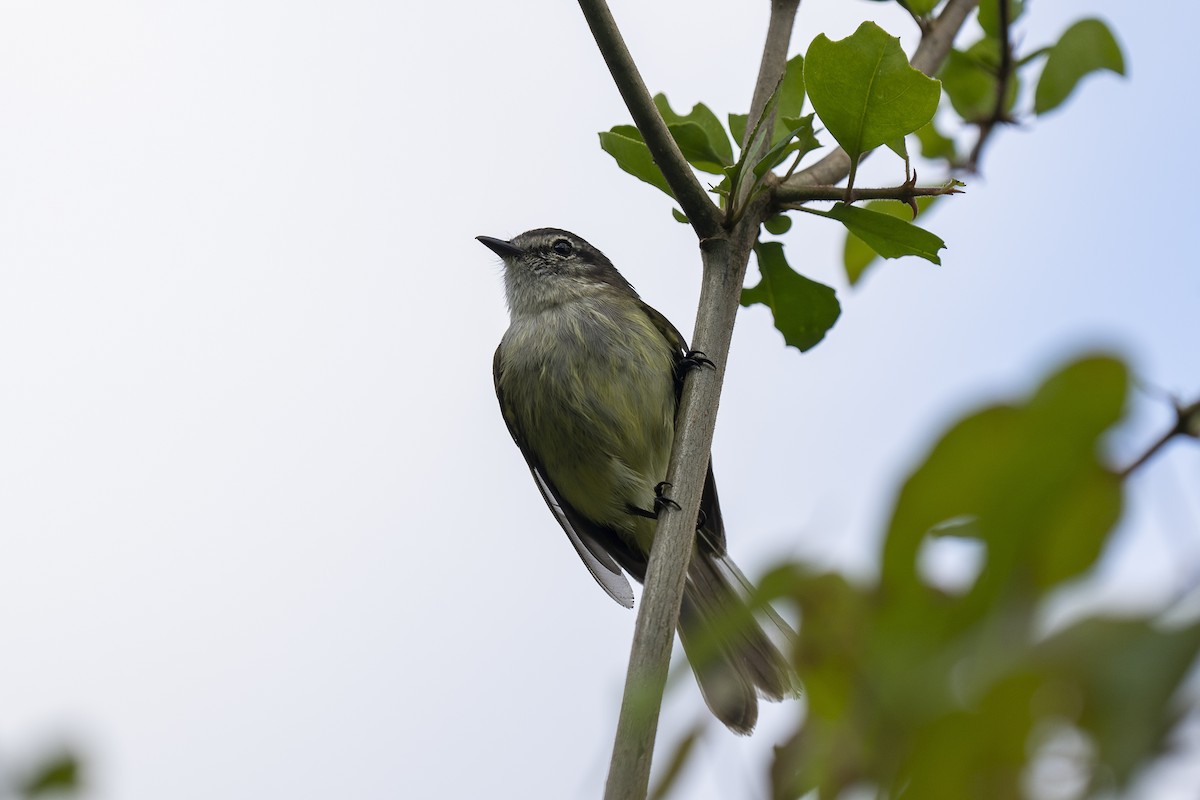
(500, 247)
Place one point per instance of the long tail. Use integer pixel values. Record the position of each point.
(732, 657)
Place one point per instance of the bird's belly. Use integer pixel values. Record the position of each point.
(599, 415)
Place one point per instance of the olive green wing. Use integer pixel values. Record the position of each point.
(668, 331)
(712, 526)
(584, 536)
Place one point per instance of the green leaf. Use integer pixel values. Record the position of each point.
(1085, 47)
(791, 91)
(804, 310)
(756, 140)
(625, 144)
(713, 134)
(696, 147)
(857, 255)
(737, 126)
(935, 144)
(865, 91)
(969, 78)
(679, 216)
(789, 102)
(886, 235)
(989, 15)
(922, 8)
(805, 140)
(778, 225)
(800, 138)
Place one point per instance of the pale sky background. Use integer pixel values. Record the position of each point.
(262, 530)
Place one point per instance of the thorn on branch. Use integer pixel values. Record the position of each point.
(792, 198)
(911, 184)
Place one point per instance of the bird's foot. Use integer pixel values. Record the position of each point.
(661, 500)
(695, 359)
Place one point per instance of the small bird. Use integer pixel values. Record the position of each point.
(588, 378)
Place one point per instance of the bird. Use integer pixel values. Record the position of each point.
(588, 377)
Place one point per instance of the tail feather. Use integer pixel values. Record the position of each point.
(732, 657)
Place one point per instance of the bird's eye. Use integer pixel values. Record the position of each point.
(562, 247)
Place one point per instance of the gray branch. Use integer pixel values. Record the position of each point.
(725, 256)
(704, 216)
(725, 260)
(792, 197)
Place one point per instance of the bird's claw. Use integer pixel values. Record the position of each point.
(695, 359)
(661, 500)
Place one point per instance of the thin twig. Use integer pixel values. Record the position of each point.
(999, 115)
(792, 198)
(704, 216)
(1187, 423)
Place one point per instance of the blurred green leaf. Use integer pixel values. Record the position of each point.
(935, 144)
(804, 310)
(1031, 477)
(1087, 46)
(969, 78)
(679, 759)
(913, 693)
(899, 147)
(679, 216)
(857, 255)
(865, 91)
(989, 15)
(922, 8)
(1127, 672)
(829, 750)
(59, 774)
(625, 144)
(885, 234)
(977, 752)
